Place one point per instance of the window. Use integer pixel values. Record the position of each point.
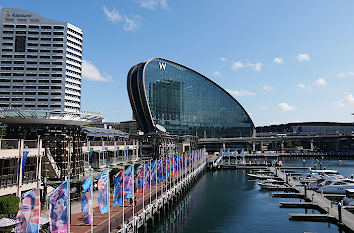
(57, 39)
(5, 68)
(21, 26)
(6, 50)
(57, 57)
(56, 81)
(55, 93)
(42, 100)
(17, 80)
(31, 56)
(43, 87)
(58, 33)
(32, 50)
(57, 45)
(19, 62)
(30, 81)
(8, 32)
(45, 45)
(32, 62)
(58, 27)
(30, 99)
(19, 68)
(31, 68)
(16, 99)
(32, 38)
(46, 27)
(20, 43)
(43, 93)
(44, 63)
(46, 33)
(32, 33)
(45, 57)
(7, 38)
(32, 44)
(45, 51)
(43, 81)
(46, 39)
(57, 51)
(20, 32)
(4, 93)
(7, 44)
(6, 56)
(55, 87)
(30, 93)
(6, 62)
(33, 26)
(8, 26)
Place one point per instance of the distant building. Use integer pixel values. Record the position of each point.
(308, 128)
(41, 62)
(184, 102)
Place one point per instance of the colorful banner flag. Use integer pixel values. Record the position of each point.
(139, 179)
(242, 153)
(58, 212)
(153, 173)
(118, 189)
(235, 153)
(168, 168)
(147, 176)
(102, 184)
(86, 201)
(228, 152)
(24, 158)
(128, 182)
(220, 152)
(159, 171)
(164, 169)
(27, 218)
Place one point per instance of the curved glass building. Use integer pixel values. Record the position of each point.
(184, 102)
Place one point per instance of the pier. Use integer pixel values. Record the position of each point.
(331, 212)
(155, 205)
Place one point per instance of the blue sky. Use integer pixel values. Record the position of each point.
(284, 61)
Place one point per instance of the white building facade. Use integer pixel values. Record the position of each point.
(41, 62)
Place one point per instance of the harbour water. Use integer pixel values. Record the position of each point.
(227, 201)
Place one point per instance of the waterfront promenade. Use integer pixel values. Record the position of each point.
(161, 197)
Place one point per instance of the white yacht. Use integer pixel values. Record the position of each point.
(336, 186)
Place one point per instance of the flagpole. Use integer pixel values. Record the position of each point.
(150, 181)
(68, 189)
(123, 176)
(157, 178)
(143, 189)
(91, 203)
(109, 202)
(133, 207)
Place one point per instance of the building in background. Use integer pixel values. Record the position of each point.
(307, 128)
(41, 62)
(184, 102)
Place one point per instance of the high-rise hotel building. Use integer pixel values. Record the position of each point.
(41, 62)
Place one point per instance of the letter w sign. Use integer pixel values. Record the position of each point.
(162, 65)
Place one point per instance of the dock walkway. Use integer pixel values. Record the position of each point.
(346, 218)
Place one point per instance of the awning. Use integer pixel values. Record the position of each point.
(6, 222)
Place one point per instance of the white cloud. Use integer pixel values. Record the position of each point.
(237, 65)
(267, 88)
(302, 86)
(347, 100)
(346, 74)
(256, 67)
(216, 74)
(152, 4)
(284, 107)
(303, 57)
(278, 60)
(241, 93)
(90, 72)
(264, 108)
(223, 59)
(114, 16)
(320, 82)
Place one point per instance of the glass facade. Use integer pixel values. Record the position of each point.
(186, 103)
